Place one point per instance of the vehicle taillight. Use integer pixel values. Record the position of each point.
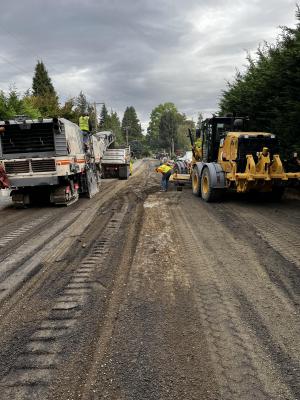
(68, 189)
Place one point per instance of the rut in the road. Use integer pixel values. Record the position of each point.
(41, 356)
(64, 305)
(162, 296)
(251, 325)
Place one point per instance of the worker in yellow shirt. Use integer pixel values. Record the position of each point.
(131, 167)
(85, 126)
(166, 170)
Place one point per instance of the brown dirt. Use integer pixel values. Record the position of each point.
(162, 297)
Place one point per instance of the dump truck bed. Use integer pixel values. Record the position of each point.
(116, 157)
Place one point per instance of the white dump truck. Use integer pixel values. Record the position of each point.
(116, 163)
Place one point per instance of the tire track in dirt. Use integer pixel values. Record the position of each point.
(22, 368)
(32, 372)
(157, 349)
(280, 234)
(257, 232)
(225, 267)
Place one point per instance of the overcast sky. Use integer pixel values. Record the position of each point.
(136, 52)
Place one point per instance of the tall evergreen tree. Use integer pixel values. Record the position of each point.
(41, 83)
(131, 124)
(105, 123)
(115, 126)
(268, 92)
(81, 104)
(45, 97)
(111, 122)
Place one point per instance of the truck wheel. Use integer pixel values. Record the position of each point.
(20, 199)
(196, 183)
(208, 193)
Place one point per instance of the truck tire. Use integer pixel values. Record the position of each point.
(177, 167)
(208, 193)
(184, 168)
(196, 182)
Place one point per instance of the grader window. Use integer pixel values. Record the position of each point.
(221, 132)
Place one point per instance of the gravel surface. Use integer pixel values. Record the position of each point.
(161, 297)
(5, 199)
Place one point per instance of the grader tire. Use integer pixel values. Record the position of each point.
(208, 193)
(196, 182)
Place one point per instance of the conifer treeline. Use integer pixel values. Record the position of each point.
(43, 101)
(269, 91)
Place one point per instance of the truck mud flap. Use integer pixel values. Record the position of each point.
(124, 172)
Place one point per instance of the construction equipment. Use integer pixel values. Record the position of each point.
(47, 158)
(228, 157)
(4, 182)
(116, 163)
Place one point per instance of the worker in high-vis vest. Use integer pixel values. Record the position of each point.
(166, 171)
(131, 167)
(85, 126)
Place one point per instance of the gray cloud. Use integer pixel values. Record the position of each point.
(135, 52)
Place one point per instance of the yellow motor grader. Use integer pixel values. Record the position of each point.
(226, 157)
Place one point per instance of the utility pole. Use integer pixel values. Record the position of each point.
(95, 111)
(126, 132)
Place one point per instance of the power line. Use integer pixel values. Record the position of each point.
(26, 47)
(14, 65)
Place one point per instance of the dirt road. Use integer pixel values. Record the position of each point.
(138, 294)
